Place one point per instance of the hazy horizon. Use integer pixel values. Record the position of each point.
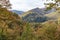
(25, 5)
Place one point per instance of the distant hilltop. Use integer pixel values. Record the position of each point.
(17, 11)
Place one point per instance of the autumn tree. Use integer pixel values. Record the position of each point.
(5, 4)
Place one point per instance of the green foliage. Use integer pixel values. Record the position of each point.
(27, 33)
(52, 5)
(9, 25)
(13, 28)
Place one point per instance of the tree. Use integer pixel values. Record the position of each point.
(5, 4)
(27, 33)
(55, 4)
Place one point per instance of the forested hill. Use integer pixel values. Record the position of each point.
(10, 25)
(13, 28)
(5, 14)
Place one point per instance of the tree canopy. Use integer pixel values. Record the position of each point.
(54, 4)
(5, 4)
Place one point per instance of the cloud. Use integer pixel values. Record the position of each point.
(25, 5)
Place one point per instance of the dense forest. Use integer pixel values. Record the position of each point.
(14, 27)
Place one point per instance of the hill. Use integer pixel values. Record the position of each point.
(35, 10)
(53, 15)
(36, 15)
(10, 25)
(17, 12)
(13, 28)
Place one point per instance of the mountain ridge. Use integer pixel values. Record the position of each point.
(17, 12)
(36, 15)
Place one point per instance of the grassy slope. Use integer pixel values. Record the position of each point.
(54, 15)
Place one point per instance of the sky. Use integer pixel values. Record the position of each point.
(25, 5)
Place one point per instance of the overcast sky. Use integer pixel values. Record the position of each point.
(25, 5)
